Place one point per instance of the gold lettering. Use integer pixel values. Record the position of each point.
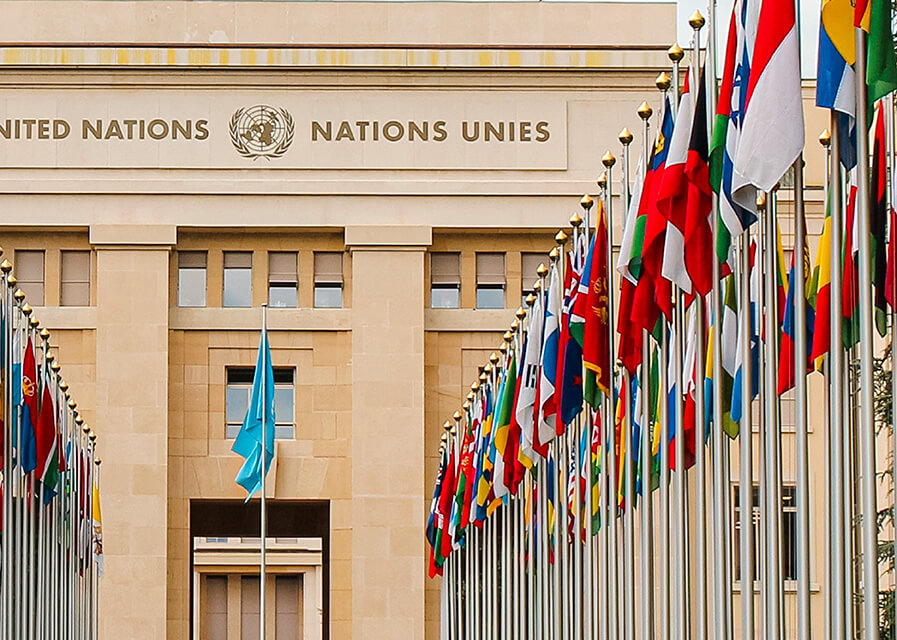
(114, 130)
(398, 128)
(345, 132)
(6, 128)
(317, 129)
(470, 137)
(526, 131)
(362, 129)
(491, 131)
(202, 130)
(185, 130)
(43, 129)
(439, 131)
(416, 129)
(153, 129)
(542, 132)
(61, 129)
(94, 129)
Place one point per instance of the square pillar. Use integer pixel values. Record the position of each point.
(132, 426)
(388, 431)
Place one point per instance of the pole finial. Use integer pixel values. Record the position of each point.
(696, 21)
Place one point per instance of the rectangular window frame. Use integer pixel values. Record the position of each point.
(445, 280)
(283, 279)
(240, 266)
(283, 429)
(328, 279)
(192, 262)
(35, 288)
(67, 281)
(491, 279)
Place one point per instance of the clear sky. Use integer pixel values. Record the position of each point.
(809, 19)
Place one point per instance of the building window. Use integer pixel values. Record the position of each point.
(237, 279)
(74, 290)
(445, 280)
(329, 280)
(490, 281)
(239, 387)
(30, 276)
(283, 281)
(216, 608)
(789, 533)
(529, 263)
(192, 278)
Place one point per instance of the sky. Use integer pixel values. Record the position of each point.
(809, 20)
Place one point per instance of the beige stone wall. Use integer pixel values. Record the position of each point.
(316, 465)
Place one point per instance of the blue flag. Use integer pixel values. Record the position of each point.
(259, 420)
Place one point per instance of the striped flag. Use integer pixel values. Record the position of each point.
(548, 372)
(525, 411)
(772, 131)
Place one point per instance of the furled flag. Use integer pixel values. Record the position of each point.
(822, 280)
(485, 470)
(29, 403)
(570, 351)
(257, 430)
(728, 347)
(501, 428)
(444, 508)
(850, 298)
(596, 339)
(432, 525)
(772, 131)
(879, 220)
(654, 293)
(547, 413)
(734, 217)
(97, 529)
(686, 197)
(461, 508)
(789, 328)
(47, 439)
(751, 337)
(891, 274)
(836, 80)
(525, 411)
(881, 60)
(628, 266)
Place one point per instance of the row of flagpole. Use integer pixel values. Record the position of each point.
(533, 516)
(51, 538)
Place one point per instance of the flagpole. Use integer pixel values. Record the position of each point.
(5, 268)
(836, 434)
(626, 138)
(892, 186)
(263, 524)
(646, 533)
(800, 392)
(745, 441)
(866, 426)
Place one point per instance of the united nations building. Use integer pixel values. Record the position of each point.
(387, 178)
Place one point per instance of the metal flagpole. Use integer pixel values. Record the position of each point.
(263, 524)
(646, 533)
(626, 138)
(613, 622)
(866, 426)
(892, 186)
(6, 310)
(835, 435)
(745, 440)
(800, 392)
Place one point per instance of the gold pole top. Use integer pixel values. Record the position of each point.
(504, 347)
(625, 137)
(645, 111)
(486, 369)
(56, 367)
(456, 415)
(675, 53)
(560, 238)
(44, 334)
(586, 202)
(84, 429)
(530, 299)
(494, 357)
(696, 21)
(508, 336)
(825, 138)
(34, 322)
(521, 314)
(98, 461)
(537, 285)
(663, 81)
(447, 425)
(575, 221)
(761, 201)
(26, 308)
(484, 377)
(72, 404)
(602, 180)
(92, 437)
(475, 386)
(515, 325)
(465, 405)
(554, 254)
(64, 386)
(11, 281)
(471, 396)
(542, 270)
(5, 266)
(443, 438)
(608, 160)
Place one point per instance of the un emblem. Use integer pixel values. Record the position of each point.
(261, 131)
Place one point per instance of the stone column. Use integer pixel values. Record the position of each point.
(132, 425)
(388, 431)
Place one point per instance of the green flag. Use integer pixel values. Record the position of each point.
(881, 62)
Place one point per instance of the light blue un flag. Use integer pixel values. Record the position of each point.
(259, 419)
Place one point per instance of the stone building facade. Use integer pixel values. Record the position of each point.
(169, 166)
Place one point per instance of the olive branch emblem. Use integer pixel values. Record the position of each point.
(241, 141)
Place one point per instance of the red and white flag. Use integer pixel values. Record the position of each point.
(772, 133)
